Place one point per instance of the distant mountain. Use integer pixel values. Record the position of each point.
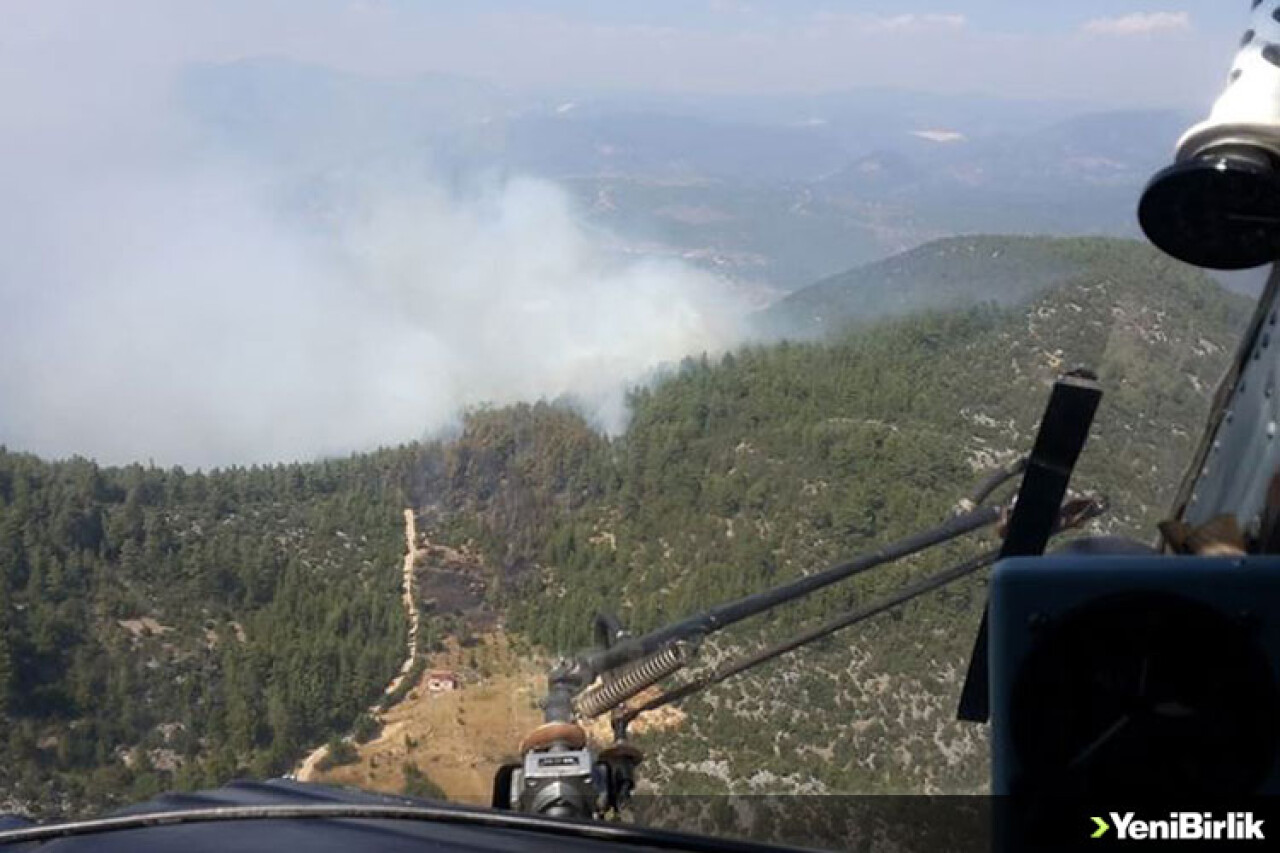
(313, 117)
(1080, 176)
(963, 272)
(858, 119)
(282, 108)
(882, 171)
(774, 191)
(668, 147)
(1093, 149)
(946, 274)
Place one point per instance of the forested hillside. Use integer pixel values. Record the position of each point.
(159, 628)
(773, 461)
(960, 272)
(165, 628)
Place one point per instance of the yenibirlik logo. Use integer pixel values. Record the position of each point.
(1181, 826)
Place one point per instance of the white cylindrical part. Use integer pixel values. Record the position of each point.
(1248, 112)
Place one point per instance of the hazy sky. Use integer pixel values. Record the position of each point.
(160, 298)
(164, 296)
(1112, 51)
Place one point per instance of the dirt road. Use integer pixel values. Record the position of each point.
(307, 770)
(456, 738)
(411, 556)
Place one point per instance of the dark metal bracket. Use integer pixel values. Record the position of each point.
(1063, 433)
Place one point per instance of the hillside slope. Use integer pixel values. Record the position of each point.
(160, 628)
(777, 460)
(946, 274)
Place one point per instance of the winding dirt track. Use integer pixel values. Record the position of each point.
(307, 770)
(411, 556)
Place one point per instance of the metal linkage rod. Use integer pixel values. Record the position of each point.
(1073, 514)
(724, 615)
(998, 478)
(847, 620)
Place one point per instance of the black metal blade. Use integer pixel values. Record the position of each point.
(1063, 432)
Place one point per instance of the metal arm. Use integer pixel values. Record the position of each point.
(660, 653)
(722, 616)
(1074, 514)
(562, 775)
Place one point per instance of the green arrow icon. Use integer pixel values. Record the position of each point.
(1102, 828)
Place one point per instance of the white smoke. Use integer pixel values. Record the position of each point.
(161, 302)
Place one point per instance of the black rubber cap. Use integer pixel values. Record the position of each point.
(1219, 211)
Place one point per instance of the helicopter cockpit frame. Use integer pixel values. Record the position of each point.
(1111, 669)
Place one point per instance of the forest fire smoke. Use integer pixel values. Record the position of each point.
(161, 301)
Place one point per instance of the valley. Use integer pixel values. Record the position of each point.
(168, 629)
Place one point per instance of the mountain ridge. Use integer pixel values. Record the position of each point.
(736, 473)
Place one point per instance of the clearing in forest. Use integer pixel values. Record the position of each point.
(457, 739)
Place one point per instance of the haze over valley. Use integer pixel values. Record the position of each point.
(270, 259)
(345, 344)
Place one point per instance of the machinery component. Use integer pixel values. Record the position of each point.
(557, 778)
(558, 775)
(562, 777)
(825, 630)
(582, 671)
(1135, 676)
(553, 735)
(567, 678)
(1240, 453)
(559, 783)
(1218, 206)
(987, 487)
(570, 676)
(620, 761)
(627, 681)
(1218, 537)
(1074, 514)
(608, 630)
(1064, 429)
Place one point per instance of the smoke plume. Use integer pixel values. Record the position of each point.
(161, 298)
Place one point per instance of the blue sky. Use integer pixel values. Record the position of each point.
(1034, 16)
(240, 338)
(1121, 52)
(1117, 52)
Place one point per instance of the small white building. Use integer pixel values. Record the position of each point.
(442, 680)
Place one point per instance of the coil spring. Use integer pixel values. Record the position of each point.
(631, 679)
